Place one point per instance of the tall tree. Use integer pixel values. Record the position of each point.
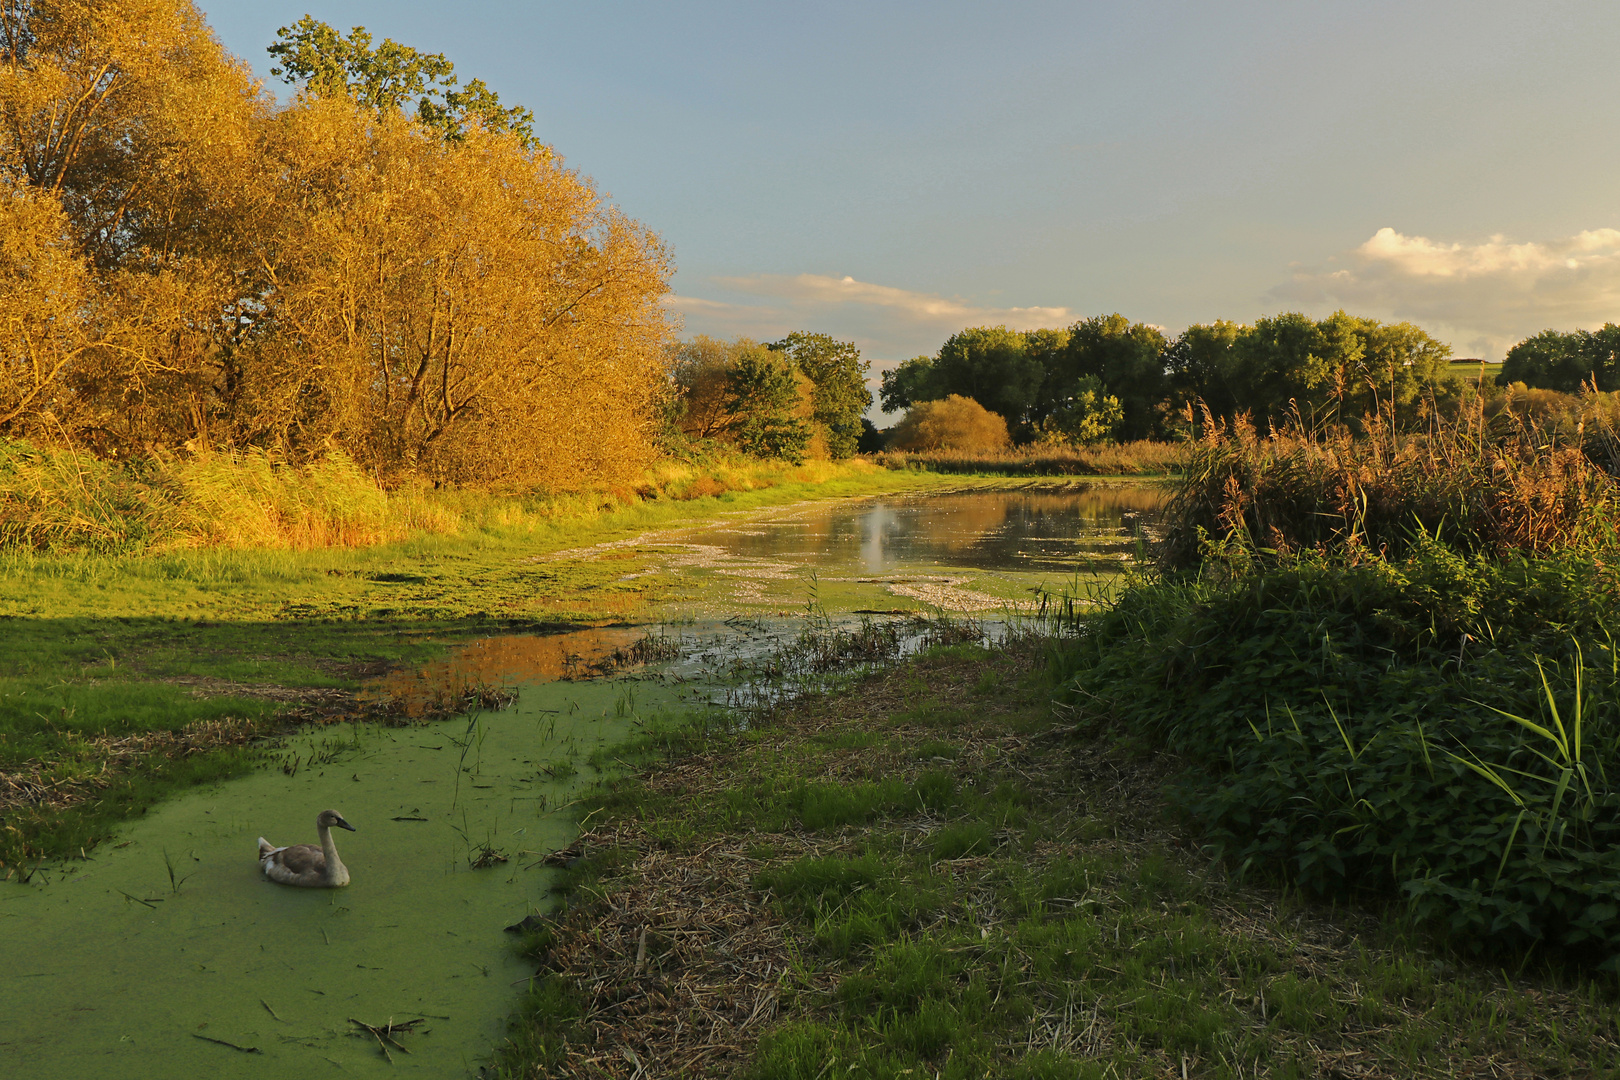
(391, 76)
(838, 377)
(1127, 358)
(762, 398)
(991, 365)
(907, 383)
(1199, 365)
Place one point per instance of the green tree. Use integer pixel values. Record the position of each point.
(1554, 360)
(1279, 362)
(391, 76)
(1199, 365)
(838, 378)
(1089, 415)
(908, 383)
(1128, 358)
(991, 365)
(762, 399)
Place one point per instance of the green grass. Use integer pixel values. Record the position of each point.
(96, 648)
(1022, 908)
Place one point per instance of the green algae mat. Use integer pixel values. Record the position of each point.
(168, 953)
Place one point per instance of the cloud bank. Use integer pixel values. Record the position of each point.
(1483, 297)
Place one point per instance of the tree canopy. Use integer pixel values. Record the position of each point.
(1107, 377)
(185, 264)
(837, 375)
(1555, 360)
(390, 76)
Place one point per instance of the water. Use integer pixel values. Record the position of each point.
(113, 967)
(1012, 532)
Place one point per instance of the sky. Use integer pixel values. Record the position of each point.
(890, 173)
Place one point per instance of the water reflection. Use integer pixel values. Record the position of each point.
(507, 661)
(984, 530)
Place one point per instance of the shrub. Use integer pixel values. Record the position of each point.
(954, 423)
(1447, 728)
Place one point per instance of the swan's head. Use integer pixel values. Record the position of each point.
(329, 818)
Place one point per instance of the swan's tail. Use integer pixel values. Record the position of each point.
(266, 848)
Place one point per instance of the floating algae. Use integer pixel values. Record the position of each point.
(167, 953)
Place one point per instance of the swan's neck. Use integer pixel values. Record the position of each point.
(334, 865)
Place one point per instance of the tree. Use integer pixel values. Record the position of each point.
(954, 423)
(187, 265)
(389, 77)
(990, 365)
(1127, 358)
(701, 369)
(907, 383)
(762, 397)
(1089, 415)
(1553, 360)
(838, 378)
(1199, 365)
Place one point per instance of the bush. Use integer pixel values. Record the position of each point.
(1444, 728)
(954, 423)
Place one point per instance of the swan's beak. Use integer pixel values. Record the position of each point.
(340, 823)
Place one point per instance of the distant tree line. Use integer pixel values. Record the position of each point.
(1110, 378)
(1566, 361)
(391, 265)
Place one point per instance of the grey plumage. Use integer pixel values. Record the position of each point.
(307, 865)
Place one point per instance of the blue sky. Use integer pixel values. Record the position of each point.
(893, 172)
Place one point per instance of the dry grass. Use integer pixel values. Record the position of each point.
(1511, 485)
(1144, 458)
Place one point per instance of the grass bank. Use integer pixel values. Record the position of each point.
(59, 500)
(126, 675)
(931, 873)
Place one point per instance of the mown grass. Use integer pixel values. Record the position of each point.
(915, 877)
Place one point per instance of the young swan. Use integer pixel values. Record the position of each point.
(305, 864)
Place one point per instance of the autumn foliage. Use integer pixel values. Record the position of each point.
(186, 265)
(952, 423)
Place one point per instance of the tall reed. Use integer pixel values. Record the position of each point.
(1490, 485)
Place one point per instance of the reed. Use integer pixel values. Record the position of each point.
(1141, 458)
(1508, 482)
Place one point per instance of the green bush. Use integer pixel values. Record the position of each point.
(1443, 727)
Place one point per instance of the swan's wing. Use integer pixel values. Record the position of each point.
(266, 848)
(299, 859)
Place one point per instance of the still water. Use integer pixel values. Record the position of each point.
(167, 954)
(980, 530)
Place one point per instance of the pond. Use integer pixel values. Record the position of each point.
(973, 551)
(166, 953)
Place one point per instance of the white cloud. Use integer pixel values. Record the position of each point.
(1482, 296)
(819, 290)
